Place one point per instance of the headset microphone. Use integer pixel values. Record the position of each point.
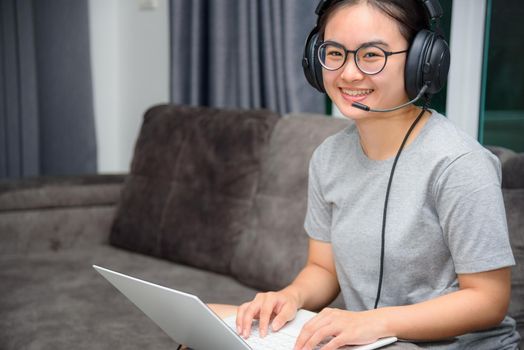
(369, 109)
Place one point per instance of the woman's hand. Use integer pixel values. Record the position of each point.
(303, 292)
(343, 327)
(280, 306)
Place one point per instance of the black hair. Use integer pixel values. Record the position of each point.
(410, 15)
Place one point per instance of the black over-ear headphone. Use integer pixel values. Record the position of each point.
(427, 62)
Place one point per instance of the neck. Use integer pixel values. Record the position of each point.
(381, 135)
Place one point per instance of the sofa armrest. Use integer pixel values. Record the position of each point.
(54, 213)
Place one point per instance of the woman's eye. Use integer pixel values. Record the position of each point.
(370, 55)
(334, 53)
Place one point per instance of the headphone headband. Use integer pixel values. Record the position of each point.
(433, 8)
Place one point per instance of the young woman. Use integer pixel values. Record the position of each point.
(432, 264)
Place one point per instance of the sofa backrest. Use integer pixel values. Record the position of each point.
(44, 214)
(193, 176)
(513, 191)
(274, 248)
(221, 189)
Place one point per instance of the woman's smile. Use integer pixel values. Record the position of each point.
(354, 94)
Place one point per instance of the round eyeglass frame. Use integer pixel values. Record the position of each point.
(354, 52)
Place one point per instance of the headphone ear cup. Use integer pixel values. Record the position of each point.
(427, 63)
(310, 64)
(415, 62)
(439, 60)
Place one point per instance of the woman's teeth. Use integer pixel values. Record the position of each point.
(357, 92)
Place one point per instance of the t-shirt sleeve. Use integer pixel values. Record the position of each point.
(318, 216)
(471, 212)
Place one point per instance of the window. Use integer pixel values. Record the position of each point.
(502, 96)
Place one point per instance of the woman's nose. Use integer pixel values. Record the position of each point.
(350, 70)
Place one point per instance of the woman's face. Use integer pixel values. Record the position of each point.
(354, 26)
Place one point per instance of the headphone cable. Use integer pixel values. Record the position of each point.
(424, 109)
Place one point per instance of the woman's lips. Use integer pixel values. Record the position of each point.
(355, 95)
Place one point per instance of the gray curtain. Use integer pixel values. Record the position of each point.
(46, 103)
(242, 53)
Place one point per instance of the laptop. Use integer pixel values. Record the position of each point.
(189, 321)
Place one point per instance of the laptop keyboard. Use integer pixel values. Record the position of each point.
(285, 339)
(273, 341)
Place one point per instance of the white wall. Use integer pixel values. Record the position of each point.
(130, 67)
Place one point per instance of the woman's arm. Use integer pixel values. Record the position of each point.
(481, 303)
(316, 285)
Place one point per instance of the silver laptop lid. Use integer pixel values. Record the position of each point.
(184, 317)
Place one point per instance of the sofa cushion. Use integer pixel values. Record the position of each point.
(193, 177)
(58, 301)
(274, 248)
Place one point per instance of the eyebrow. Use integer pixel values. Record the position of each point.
(368, 43)
(375, 42)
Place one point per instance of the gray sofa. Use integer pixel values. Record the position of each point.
(213, 205)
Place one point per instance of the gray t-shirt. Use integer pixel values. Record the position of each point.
(445, 217)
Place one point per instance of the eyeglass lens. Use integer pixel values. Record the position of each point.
(369, 59)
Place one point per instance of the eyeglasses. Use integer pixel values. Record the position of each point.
(369, 59)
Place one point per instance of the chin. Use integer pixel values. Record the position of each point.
(351, 112)
(344, 105)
